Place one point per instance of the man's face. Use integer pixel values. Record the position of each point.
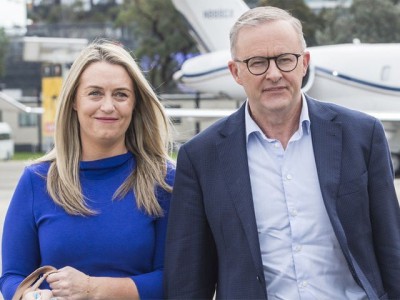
(274, 91)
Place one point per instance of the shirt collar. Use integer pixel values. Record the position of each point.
(304, 122)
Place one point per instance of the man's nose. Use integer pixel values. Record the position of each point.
(273, 71)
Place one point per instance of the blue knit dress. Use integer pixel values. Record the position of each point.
(120, 241)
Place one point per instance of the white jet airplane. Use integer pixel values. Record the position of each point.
(365, 77)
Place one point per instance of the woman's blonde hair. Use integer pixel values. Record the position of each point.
(147, 137)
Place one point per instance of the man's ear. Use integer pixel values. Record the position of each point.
(306, 62)
(233, 68)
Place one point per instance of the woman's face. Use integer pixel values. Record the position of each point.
(104, 103)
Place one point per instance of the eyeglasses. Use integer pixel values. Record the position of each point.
(258, 65)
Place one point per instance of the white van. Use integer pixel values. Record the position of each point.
(6, 142)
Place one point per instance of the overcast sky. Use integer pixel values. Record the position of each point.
(12, 13)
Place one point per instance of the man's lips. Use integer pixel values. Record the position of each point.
(274, 89)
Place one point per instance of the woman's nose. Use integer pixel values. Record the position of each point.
(107, 103)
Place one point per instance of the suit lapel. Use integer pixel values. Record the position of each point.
(327, 145)
(233, 159)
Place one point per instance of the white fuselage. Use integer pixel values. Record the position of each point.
(365, 77)
(360, 76)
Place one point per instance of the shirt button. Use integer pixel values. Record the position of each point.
(303, 284)
(289, 177)
(293, 212)
(276, 145)
(297, 248)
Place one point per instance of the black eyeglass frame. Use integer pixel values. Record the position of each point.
(268, 59)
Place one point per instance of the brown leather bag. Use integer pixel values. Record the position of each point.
(33, 281)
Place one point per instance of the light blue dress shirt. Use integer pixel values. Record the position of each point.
(301, 256)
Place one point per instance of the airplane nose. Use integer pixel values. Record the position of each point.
(178, 75)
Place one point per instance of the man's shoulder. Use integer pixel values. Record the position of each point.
(341, 112)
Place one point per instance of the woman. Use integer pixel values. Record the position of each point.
(96, 206)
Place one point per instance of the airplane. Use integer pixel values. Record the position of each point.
(361, 76)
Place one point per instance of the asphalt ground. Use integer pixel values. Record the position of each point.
(10, 171)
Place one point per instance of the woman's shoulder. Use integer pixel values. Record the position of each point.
(38, 168)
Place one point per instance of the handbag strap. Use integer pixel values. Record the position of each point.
(33, 281)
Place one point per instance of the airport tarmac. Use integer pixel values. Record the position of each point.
(10, 171)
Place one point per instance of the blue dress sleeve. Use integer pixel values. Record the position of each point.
(20, 247)
(150, 285)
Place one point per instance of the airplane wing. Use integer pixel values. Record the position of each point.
(202, 113)
(385, 116)
(16, 104)
(198, 113)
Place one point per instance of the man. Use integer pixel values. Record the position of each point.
(287, 198)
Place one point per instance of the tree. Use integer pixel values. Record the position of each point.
(163, 41)
(3, 50)
(74, 12)
(252, 3)
(310, 21)
(370, 21)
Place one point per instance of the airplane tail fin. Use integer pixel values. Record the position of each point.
(211, 20)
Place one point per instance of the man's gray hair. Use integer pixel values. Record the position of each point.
(260, 15)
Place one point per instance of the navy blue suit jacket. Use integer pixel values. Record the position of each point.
(212, 240)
